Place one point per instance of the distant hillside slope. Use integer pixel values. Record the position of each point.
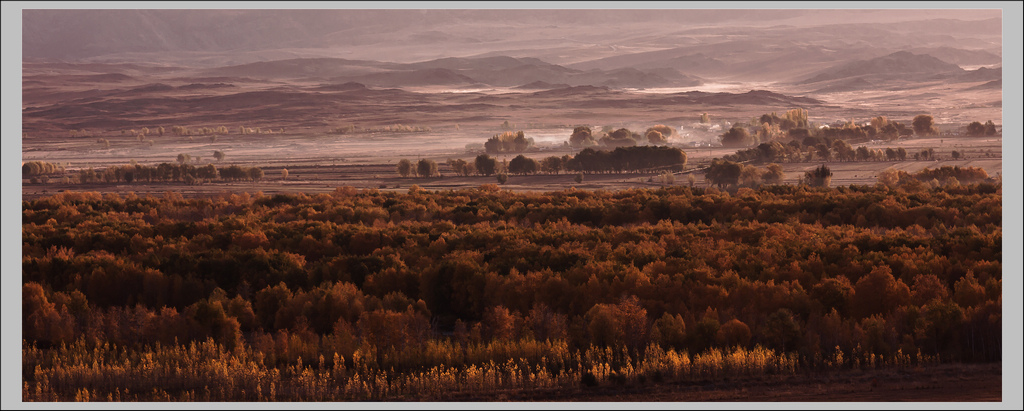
(423, 77)
(301, 68)
(981, 74)
(901, 65)
(497, 71)
(480, 63)
(959, 56)
(685, 59)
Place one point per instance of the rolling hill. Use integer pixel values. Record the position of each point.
(494, 71)
(901, 65)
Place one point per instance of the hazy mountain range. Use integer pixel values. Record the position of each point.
(757, 44)
(81, 68)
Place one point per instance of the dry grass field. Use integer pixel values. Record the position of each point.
(941, 383)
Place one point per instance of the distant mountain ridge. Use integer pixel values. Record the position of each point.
(699, 42)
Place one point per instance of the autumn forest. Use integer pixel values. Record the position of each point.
(427, 295)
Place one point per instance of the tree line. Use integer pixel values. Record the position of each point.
(794, 126)
(731, 174)
(622, 159)
(976, 129)
(584, 137)
(165, 172)
(821, 149)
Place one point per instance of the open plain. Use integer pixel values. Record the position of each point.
(96, 123)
